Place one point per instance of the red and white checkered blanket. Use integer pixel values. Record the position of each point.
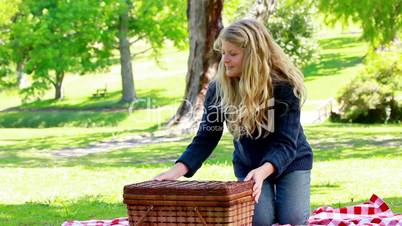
(374, 212)
(116, 221)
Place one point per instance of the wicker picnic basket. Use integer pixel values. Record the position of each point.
(189, 203)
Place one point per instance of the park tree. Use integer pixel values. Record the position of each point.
(380, 20)
(204, 23)
(57, 37)
(8, 9)
(262, 9)
(149, 22)
(53, 38)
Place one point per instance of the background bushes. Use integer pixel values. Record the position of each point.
(372, 97)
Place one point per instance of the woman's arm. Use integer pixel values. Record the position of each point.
(178, 170)
(208, 136)
(282, 145)
(258, 175)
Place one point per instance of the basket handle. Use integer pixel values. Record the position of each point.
(151, 207)
(199, 215)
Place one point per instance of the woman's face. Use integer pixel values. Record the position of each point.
(232, 58)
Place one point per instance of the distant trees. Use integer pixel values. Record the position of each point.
(53, 38)
(7, 10)
(291, 26)
(380, 20)
(151, 22)
(48, 39)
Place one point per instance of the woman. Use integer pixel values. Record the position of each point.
(258, 92)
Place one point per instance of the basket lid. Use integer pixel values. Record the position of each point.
(195, 188)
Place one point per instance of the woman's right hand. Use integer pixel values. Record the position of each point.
(173, 173)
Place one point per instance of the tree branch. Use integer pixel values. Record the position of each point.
(141, 52)
(139, 38)
(50, 80)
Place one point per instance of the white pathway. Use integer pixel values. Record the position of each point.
(116, 144)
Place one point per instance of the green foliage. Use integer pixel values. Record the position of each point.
(8, 8)
(371, 97)
(5, 70)
(159, 21)
(54, 38)
(293, 29)
(381, 21)
(235, 10)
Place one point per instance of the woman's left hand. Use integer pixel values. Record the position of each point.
(259, 175)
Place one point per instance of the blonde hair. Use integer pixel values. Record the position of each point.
(264, 63)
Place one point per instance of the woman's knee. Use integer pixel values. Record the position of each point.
(263, 215)
(293, 198)
(293, 216)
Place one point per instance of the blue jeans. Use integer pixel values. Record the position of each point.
(285, 200)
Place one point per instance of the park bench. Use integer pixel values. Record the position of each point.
(100, 93)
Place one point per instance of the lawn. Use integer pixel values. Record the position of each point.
(38, 188)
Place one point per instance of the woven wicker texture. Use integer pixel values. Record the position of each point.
(188, 187)
(189, 203)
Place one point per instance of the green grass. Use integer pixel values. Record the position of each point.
(351, 163)
(340, 61)
(141, 119)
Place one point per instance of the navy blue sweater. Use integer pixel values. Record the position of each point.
(286, 148)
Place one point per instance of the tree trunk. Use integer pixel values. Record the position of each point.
(58, 84)
(128, 90)
(262, 9)
(21, 76)
(205, 23)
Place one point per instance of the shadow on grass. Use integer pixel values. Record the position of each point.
(339, 42)
(148, 98)
(60, 119)
(55, 213)
(147, 156)
(329, 65)
(111, 101)
(40, 146)
(352, 142)
(328, 144)
(103, 113)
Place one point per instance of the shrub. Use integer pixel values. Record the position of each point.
(293, 29)
(371, 96)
